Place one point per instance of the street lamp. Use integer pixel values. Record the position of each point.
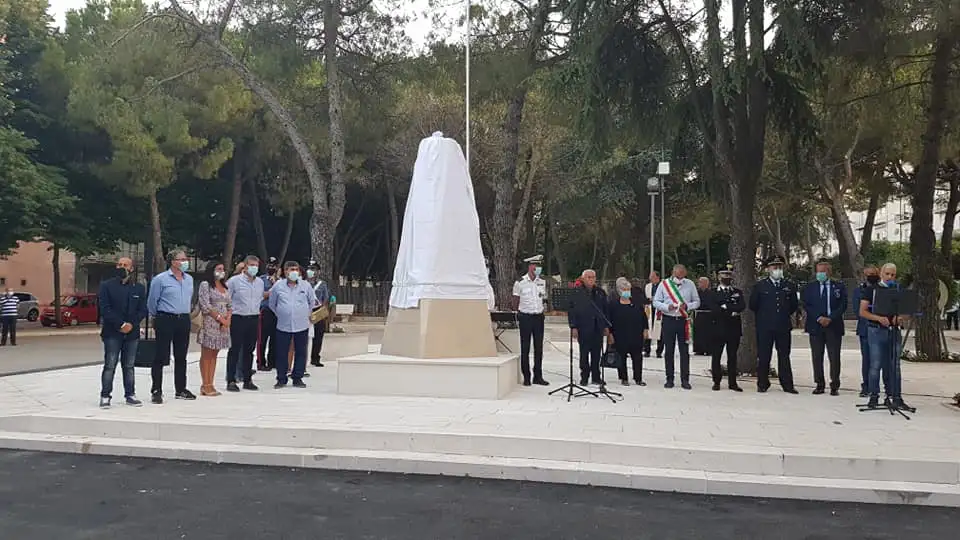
(653, 188)
(663, 169)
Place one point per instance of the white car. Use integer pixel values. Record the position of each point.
(29, 307)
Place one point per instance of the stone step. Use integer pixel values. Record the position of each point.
(538, 470)
(740, 460)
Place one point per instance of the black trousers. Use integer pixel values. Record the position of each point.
(766, 340)
(829, 339)
(243, 340)
(953, 320)
(531, 328)
(8, 326)
(731, 342)
(317, 344)
(267, 355)
(701, 343)
(591, 347)
(635, 352)
(673, 334)
(648, 345)
(172, 330)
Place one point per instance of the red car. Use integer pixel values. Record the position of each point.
(74, 309)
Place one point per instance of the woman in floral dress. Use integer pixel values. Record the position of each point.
(214, 334)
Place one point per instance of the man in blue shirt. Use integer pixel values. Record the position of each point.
(292, 300)
(267, 346)
(825, 301)
(168, 301)
(322, 291)
(676, 299)
(246, 295)
(123, 304)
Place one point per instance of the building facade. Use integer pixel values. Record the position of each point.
(30, 269)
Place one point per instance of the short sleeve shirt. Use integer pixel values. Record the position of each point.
(532, 293)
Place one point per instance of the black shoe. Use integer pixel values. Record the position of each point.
(541, 382)
(298, 383)
(762, 389)
(232, 387)
(597, 382)
(873, 403)
(817, 391)
(791, 390)
(898, 403)
(686, 385)
(864, 393)
(156, 398)
(279, 386)
(185, 394)
(625, 382)
(716, 386)
(735, 388)
(526, 382)
(316, 363)
(659, 355)
(250, 386)
(639, 382)
(668, 384)
(305, 374)
(584, 381)
(834, 391)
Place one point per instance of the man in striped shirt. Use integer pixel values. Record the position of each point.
(9, 304)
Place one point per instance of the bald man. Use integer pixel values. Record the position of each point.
(122, 305)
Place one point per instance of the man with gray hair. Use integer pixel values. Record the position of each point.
(246, 293)
(676, 299)
(168, 301)
(589, 323)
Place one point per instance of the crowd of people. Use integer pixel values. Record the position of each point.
(633, 317)
(271, 312)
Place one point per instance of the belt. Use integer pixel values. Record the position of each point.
(257, 315)
(168, 314)
(530, 314)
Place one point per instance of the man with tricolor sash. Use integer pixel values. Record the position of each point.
(676, 299)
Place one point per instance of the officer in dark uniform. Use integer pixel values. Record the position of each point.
(774, 301)
(725, 303)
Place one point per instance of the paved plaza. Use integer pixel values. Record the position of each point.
(699, 441)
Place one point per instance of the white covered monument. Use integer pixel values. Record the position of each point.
(438, 340)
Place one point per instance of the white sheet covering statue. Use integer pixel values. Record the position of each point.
(440, 255)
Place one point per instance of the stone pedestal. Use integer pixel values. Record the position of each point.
(465, 378)
(336, 346)
(440, 329)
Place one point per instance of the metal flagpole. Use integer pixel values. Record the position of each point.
(467, 67)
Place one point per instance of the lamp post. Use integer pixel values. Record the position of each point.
(653, 188)
(663, 169)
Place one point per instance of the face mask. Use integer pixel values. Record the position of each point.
(873, 280)
(821, 276)
(310, 274)
(123, 273)
(293, 275)
(271, 271)
(625, 294)
(252, 271)
(537, 271)
(219, 275)
(677, 279)
(890, 283)
(184, 266)
(776, 273)
(726, 280)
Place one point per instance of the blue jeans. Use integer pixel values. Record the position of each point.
(882, 341)
(299, 354)
(118, 349)
(864, 363)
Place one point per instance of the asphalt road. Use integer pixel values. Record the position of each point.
(74, 497)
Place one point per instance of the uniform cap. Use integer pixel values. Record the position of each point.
(776, 260)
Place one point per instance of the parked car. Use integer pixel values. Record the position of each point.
(29, 307)
(74, 309)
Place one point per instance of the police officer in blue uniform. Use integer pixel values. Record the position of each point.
(774, 300)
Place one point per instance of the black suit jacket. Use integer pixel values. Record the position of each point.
(774, 305)
(589, 311)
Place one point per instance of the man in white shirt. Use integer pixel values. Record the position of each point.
(529, 292)
(676, 299)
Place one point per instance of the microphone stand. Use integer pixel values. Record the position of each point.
(612, 396)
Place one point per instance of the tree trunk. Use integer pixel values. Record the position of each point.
(851, 263)
(806, 242)
(257, 221)
(950, 214)
(743, 248)
(234, 219)
(866, 236)
(558, 252)
(922, 237)
(57, 307)
(287, 233)
(159, 262)
(395, 224)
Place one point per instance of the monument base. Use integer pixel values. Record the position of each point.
(440, 329)
(465, 378)
(339, 345)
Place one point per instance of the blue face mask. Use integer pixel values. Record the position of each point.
(310, 274)
(184, 266)
(625, 294)
(293, 276)
(891, 282)
(252, 271)
(821, 276)
(537, 271)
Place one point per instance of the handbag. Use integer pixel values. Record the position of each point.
(196, 320)
(611, 359)
(319, 314)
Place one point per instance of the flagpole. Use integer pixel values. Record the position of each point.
(467, 68)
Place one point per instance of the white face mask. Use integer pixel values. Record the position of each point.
(219, 275)
(776, 273)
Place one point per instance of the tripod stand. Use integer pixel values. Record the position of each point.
(571, 389)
